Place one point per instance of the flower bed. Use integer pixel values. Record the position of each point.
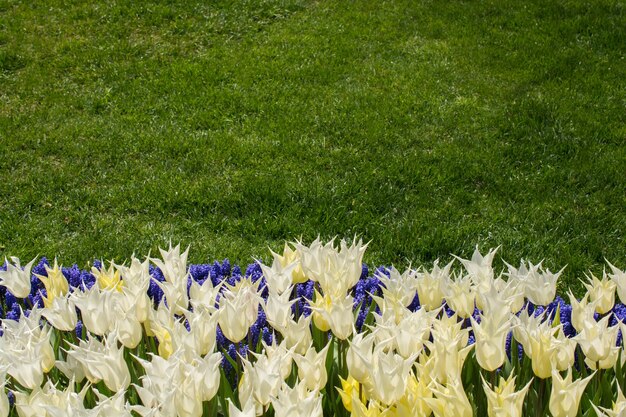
(314, 333)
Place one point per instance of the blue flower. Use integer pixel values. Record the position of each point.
(360, 320)
(566, 321)
(268, 336)
(87, 279)
(9, 299)
(619, 312)
(507, 347)
(225, 267)
(216, 273)
(40, 268)
(79, 329)
(199, 272)
(72, 274)
(254, 271)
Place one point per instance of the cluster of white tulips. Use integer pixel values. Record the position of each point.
(311, 335)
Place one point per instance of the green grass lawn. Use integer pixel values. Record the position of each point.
(426, 127)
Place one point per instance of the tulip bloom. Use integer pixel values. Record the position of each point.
(460, 295)
(246, 411)
(336, 313)
(264, 378)
(278, 276)
(602, 292)
(61, 313)
(387, 376)
(277, 309)
(94, 306)
(413, 403)
(430, 286)
(490, 341)
(16, 279)
(55, 283)
(359, 356)
(450, 400)
(619, 278)
(597, 340)
(233, 323)
(581, 310)
(566, 394)
(540, 287)
(26, 348)
(103, 362)
(289, 256)
(502, 401)
(312, 367)
(297, 334)
(297, 402)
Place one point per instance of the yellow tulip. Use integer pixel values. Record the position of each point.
(373, 408)
(449, 400)
(348, 386)
(108, 278)
(413, 403)
(55, 283)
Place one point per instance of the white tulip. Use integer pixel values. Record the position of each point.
(17, 278)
